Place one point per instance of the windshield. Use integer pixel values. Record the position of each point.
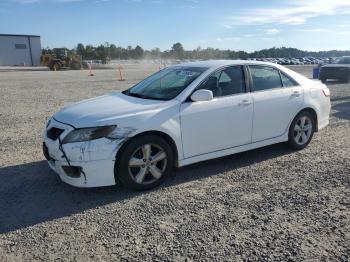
(166, 84)
(342, 60)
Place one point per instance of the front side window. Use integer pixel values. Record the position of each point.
(166, 84)
(228, 81)
(265, 78)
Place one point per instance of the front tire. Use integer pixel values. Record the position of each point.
(56, 66)
(144, 162)
(301, 130)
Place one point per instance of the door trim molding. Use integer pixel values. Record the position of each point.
(232, 150)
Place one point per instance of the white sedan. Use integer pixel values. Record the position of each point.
(181, 115)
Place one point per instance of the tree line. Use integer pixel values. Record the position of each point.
(177, 51)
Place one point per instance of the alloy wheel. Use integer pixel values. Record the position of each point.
(302, 130)
(147, 164)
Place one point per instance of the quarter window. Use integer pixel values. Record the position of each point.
(265, 78)
(287, 82)
(226, 82)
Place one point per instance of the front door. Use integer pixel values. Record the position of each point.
(222, 123)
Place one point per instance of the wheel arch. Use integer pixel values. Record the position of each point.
(163, 135)
(311, 111)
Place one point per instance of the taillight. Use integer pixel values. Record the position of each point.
(326, 92)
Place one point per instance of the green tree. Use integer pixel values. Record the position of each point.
(102, 52)
(90, 52)
(113, 50)
(155, 52)
(80, 49)
(177, 51)
(138, 52)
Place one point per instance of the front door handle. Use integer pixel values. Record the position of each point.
(245, 102)
(296, 94)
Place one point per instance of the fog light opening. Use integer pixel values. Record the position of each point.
(73, 171)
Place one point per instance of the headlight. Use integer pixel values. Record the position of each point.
(87, 134)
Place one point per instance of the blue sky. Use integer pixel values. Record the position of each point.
(226, 24)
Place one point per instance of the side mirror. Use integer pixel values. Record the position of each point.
(202, 95)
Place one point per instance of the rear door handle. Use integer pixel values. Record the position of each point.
(245, 102)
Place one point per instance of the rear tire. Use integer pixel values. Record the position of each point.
(301, 130)
(144, 162)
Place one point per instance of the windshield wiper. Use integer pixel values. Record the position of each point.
(144, 96)
(135, 95)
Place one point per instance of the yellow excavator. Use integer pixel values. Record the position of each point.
(58, 58)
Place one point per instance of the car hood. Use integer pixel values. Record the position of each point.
(105, 109)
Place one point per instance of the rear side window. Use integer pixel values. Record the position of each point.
(265, 77)
(287, 81)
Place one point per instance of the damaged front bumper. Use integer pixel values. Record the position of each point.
(91, 174)
(81, 164)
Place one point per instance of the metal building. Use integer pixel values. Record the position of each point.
(18, 50)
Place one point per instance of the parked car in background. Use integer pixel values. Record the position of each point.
(181, 115)
(339, 69)
(295, 61)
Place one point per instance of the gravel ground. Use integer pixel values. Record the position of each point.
(267, 204)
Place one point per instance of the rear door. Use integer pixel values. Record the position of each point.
(277, 98)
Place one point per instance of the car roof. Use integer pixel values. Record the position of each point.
(219, 63)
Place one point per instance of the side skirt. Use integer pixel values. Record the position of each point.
(233, 150)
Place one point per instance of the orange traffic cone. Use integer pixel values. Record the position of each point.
(90, 71)
(121, 77)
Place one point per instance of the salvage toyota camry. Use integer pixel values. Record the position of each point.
(181, 115)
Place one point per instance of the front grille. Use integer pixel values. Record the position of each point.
(54, 132)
